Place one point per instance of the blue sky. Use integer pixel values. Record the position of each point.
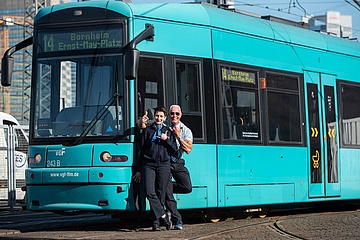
(293, 9)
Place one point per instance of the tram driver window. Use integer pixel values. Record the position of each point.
(150, 85)
(284, 122)
(240, 105)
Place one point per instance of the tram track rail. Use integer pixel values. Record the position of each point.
(270, 223)
(278, 229)
(280, 226)
(217, 233)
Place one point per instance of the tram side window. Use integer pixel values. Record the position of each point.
(150, 85)
(189, 95)
(240, 105)
(350, 114)
(284, 122)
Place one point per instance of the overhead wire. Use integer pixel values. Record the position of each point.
(297, 5)
(239, 3)
(268, 5)
(301, 7)
(351, 4)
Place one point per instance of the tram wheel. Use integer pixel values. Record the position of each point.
(212, 215)
(215, 220)
(264, 211)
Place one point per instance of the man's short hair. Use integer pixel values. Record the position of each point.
(174, 105)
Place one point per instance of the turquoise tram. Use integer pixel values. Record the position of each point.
(274, 108)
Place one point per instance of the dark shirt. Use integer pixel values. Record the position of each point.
(156, 152)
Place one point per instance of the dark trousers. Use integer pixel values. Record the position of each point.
(182, 177)
(156, 180)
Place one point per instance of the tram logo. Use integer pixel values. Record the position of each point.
(58, 152)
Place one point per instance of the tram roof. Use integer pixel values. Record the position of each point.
(211, 16)
(208, 15)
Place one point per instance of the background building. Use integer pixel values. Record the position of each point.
(332, 23)
(12, 14)
(16, 19)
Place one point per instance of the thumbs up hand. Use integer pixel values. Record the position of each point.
(164, 135)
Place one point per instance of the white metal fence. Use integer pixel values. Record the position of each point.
(13, 162)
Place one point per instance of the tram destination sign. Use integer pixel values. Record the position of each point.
(238, 75)
(79, 39)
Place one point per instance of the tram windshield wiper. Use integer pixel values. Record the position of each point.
(101, 114)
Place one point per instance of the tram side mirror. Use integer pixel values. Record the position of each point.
(7, 65)
(7, 62)
(132, 56)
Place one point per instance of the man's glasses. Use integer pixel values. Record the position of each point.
(174, 113)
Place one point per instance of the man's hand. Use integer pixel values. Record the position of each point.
(186, 145)
(176, 131)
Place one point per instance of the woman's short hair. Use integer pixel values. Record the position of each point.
(161, 109)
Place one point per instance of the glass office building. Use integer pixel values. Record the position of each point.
(16, 24)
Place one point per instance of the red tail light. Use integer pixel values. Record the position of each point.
(119, 189)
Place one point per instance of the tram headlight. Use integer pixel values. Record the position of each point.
(107, 157)
(36, 159)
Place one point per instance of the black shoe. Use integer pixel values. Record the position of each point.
(166, 219)
(156, 227)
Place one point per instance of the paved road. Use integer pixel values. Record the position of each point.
(330, 225)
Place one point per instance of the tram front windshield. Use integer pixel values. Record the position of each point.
(79, 88)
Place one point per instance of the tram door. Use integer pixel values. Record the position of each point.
(322, 134)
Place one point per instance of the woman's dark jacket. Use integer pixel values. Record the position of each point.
(156, 152)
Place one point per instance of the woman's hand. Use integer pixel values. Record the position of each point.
(137, 177)
(143, 120)
(164, 136)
